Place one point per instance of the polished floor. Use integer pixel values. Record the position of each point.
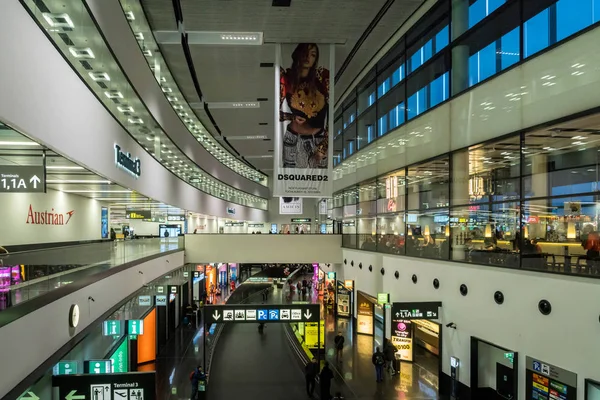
(247, 365)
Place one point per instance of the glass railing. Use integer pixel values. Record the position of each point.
(27, 275)
(76, 36)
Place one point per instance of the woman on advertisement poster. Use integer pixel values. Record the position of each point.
(304, 102)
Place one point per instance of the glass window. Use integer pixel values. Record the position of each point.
(487, 173)
(390, 76)
(428, 184)
(391, 192)
(349, 232)
(366, 94)
(536, 33)
(428, 87)
(391, 233)
(391, 110)
(560, 162)
(426, 234)
(481, 9)
(367, 130)
(428, 37)
(486, 234)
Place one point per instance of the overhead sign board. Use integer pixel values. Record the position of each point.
(127, 386)
(135, 327)
(547, 381)
(383, 298)
(262, 313)
(22, 179)
(138, 214)
(66, 368)
(419, 310)
(176, 217)
(97, 366)
(112, 327)
(301, 220)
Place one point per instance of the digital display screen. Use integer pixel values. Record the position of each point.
(104, 222)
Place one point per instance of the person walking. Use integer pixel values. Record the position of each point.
(338, 341)
(310, 373)
(196, 377)
(378, 361)
(325, 378)
(389, 352)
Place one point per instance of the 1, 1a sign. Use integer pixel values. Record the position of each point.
(22, 179)
(422, 310)
(262, 313)
(127, 386)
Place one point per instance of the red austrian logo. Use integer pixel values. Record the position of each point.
(48, 217)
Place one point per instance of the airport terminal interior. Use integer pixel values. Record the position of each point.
(296, 199)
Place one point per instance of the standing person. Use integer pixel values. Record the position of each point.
(310, 373)
(338, 341)
(389, 352)
(378, 361)
(196, 377)
(325, 378)
(113, 236)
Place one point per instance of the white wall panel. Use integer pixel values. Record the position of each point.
(110, 18)
(566, 338)
(18, 228)
(59, 110)
(46, 330)
(263, 248)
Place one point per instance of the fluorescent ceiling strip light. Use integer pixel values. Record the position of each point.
(58, 20)
(97, 191)
(64, 167)
(78, 181)
(234, 104)
(211, 38)
(4, 143)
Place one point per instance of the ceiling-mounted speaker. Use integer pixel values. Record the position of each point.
(370, 268)
(414, 278)
(464, 289)
(397, 274)
(436, 283)
(382, 270)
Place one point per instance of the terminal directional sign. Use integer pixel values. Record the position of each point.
(22, 179)
(418, 310)
(129, 386)
(262, 313)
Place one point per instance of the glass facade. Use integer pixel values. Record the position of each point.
(527, 201)
(456, 45)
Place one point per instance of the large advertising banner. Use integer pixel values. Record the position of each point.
(344, 305)
(365, 315)
(304, 120)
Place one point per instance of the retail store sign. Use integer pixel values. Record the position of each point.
(161, 300)
(129, 386)
(145, 301)
(126, 162)
(420, 310)
(35, 217)
(262, 313)
(22, 179)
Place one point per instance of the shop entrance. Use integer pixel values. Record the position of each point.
(418, 340)
(369, 318)
(494, 371)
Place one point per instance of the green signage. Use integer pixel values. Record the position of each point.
(135, 327)
(112, 327)
(120, 358)
(65, 368)
(383, 298)
(99, 366)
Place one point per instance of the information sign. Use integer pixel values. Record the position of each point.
(262, 313)
(547, 381)
(138, 214)
(120, 358)
(22, 179)
(66, 368)
(98, 366)
(127, 386)
(112, 327)
(422, 310)
(135, 327)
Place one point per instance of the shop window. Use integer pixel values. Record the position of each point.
(366, 128)
(428, 185)
(391, 235)
(426, 234)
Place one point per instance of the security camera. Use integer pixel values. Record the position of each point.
(140, 272)
(451, 325)
(91, 298)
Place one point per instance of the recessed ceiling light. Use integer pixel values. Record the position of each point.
(78, 181)
(172, 98)
(125, 109)
(135, 121)
(82, 52)
(64, 167)
(97, 191)
(8, 143)
(113, 94)
(99, 76)
(167, 89)
(139, 36)
(129, 15)
(58, 20)
(147, 52)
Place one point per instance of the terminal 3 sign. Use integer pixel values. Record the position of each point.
(262, 313)
(126, 162)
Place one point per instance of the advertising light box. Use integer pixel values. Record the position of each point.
(365, 315)
(546, 381)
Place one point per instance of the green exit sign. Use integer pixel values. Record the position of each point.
(383, 298)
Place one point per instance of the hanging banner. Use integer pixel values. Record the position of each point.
(290, 205)
(303, 144)
(344, 305)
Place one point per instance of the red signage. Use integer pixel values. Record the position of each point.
(48, 218)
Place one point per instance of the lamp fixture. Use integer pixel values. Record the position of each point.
(488, 231)
(571, 233)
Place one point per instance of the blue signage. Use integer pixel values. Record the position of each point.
(104, 222)
(262, 315)
(274, 315)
